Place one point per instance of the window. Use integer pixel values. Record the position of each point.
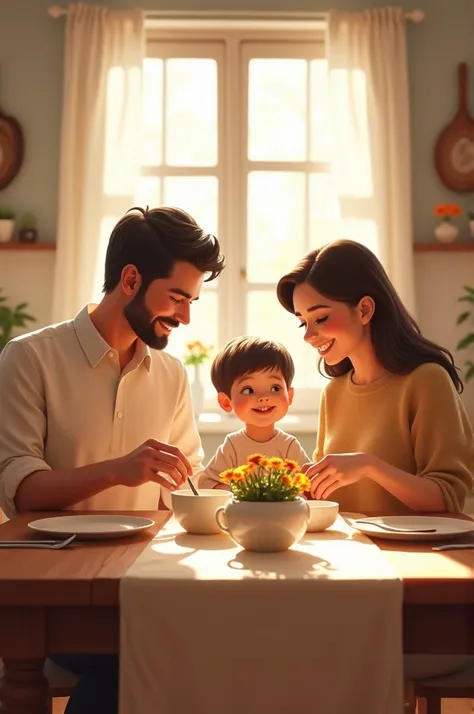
(237, 134)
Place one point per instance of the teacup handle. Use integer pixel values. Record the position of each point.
(221, 512)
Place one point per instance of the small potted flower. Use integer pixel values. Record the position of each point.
(266, 511)
(7, 224)
(196, 354)
(445, 231)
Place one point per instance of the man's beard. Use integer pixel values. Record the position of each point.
(139, 318)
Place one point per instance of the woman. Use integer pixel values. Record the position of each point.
(393, 433)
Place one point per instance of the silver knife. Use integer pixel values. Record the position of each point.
(454, 546)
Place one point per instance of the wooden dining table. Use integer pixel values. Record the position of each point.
(67, 601)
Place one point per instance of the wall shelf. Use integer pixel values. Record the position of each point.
(27, 246)
(443, 247)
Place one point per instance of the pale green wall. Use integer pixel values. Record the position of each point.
(31, 68)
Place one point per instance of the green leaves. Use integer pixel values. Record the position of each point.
(468, 339)
(470, 371)
(11, 318)
(463, 317)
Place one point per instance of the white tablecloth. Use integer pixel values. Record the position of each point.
(208, 628)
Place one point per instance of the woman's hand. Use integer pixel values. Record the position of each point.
(336, 470)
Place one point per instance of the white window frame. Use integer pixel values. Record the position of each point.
(229, 40)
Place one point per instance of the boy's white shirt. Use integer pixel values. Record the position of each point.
(237, 447)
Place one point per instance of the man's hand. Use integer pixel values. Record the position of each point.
(148, 461)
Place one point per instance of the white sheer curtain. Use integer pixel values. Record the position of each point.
(369, 113)
(100, 144)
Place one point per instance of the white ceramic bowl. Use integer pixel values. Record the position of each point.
(322, 514)
(197, 514)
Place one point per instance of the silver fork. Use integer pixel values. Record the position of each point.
(395, 530)
(50, 544)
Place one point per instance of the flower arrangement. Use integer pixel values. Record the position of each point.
(266, 479)
(447, 211)
(196, 353)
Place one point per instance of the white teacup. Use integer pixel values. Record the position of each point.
(322, 514)
(197, 514)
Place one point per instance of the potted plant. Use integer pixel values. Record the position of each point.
(7, 224)
(445, 231)
(196, 354)
(468, 339)
(11, 317)
(28, 232)
(266, 512)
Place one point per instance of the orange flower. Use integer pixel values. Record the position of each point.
(227, 476)
(255, 459)
(447, 210)
(440, 210)
(291, 465)
(264, 462)
(287, 480)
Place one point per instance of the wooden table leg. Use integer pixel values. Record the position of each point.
(23, 687)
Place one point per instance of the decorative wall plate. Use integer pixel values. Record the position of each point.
(454, 150)
(11, 149)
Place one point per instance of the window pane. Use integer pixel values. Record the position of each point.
(319, 111)
(197, 195)
(191, 112)
(148, 192)
(122, 107)
(269, 320)
(277, 110)
(152, 142)
(275, 223)
(203, 327)
(325, 223)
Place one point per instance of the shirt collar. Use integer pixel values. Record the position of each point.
(94, 345)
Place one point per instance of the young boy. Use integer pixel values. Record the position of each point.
(253, 379)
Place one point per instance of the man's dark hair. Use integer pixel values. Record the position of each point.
(153, 239)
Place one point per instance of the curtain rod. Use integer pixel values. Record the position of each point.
(57, 11)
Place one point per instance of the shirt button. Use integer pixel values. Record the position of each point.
(111, 354)
(119, 415)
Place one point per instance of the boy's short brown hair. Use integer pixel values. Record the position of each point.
(244, 355)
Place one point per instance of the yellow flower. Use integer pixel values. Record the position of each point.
(264, 462)
(291, 465)
(302, 482)
(287, 480)
(240, 473)
(255, 459)
(276, 463)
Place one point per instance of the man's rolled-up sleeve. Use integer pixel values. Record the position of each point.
(22, 421)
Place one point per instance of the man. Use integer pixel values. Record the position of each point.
(90, 417)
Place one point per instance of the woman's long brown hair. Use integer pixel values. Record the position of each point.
(346, 271)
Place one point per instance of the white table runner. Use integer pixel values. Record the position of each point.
(209, 628)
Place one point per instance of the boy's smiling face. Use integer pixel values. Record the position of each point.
(259, 398)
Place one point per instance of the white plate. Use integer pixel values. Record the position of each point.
(445, 527)
(91, 527)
